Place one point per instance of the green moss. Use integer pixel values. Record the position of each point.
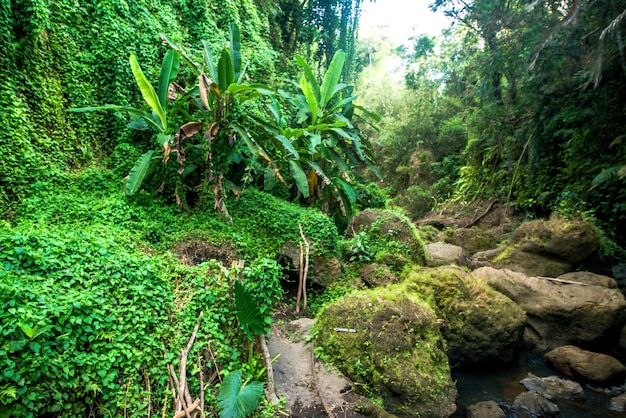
(397, 352)
(478, 323)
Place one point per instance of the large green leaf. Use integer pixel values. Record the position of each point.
(298, 175)
(237, 400)
(331, 78)
(249, 315)
(235, 50)
(169, 71)
(310, 98)
(138, 173)
(225, 71)
(288, 146)
(208, 60)
(147, 91)
(309, 76)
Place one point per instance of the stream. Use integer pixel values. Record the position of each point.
(503, 386)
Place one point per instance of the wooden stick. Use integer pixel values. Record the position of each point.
(201, 387)
(306, 268)
(149, 393)
(192, 407)
(299, 295)
(270, 391)
(182, 385)
(562, 281)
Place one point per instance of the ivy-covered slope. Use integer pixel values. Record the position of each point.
(64, 54)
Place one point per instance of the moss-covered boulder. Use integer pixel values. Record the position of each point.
(546, 247)
(389, 342)
(481, 326)
(388, 235)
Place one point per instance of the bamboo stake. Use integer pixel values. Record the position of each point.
(306, 268)
(299, 295)
(270, 392)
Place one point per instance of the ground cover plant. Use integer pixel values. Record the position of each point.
(92, 297)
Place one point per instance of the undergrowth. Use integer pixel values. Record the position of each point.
(93, 305)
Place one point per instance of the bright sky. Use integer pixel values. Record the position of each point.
(401, 19)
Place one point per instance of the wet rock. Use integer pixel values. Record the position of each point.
(535, 405)
(481, 326)
(553, 387)
(594, 367)
(618, 403)
(388, 230)
(375, 275)
(547, 248)
(487, 409)
(396, 349)
(442, 254)
(590, 279)
(559, 314)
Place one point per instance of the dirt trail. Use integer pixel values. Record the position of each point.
(305, 383)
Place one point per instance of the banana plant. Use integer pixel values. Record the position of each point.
(157, 114)
(322, 144)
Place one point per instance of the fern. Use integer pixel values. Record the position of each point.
(8, 394)
(606, 175)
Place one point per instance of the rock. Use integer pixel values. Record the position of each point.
(472, 240)
(324, 270)
(559, 314)
(569, 240)
(553, 387)
(375, 275)
(388, 233)
(618, 403)
(547, 248)
(536, 405)
(590, 279)
(481, 327)
(487, 409)
(594, 367)
(396, 349)
(442, 254)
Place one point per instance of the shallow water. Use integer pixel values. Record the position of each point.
(503, 386)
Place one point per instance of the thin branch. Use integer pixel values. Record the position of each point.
(201, 387)
(299, 294)
(562, 281)
(192, 407)
(270, 392)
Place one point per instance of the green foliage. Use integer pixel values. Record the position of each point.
(63, 55)
(321, 138)
(248, 312)
(265, 223)
(237, 399)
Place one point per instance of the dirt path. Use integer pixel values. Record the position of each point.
(305, 383)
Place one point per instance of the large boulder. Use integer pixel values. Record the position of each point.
(375, 275)
(387, 235)
(389, 340)
(486, 409)
(546, 247)
(481, 326)
(442, 254)
(593, 367)
(557, 313)
(533, 405)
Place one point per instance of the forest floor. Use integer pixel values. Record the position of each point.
(310, 388)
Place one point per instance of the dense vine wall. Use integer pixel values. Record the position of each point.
(63, 54)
